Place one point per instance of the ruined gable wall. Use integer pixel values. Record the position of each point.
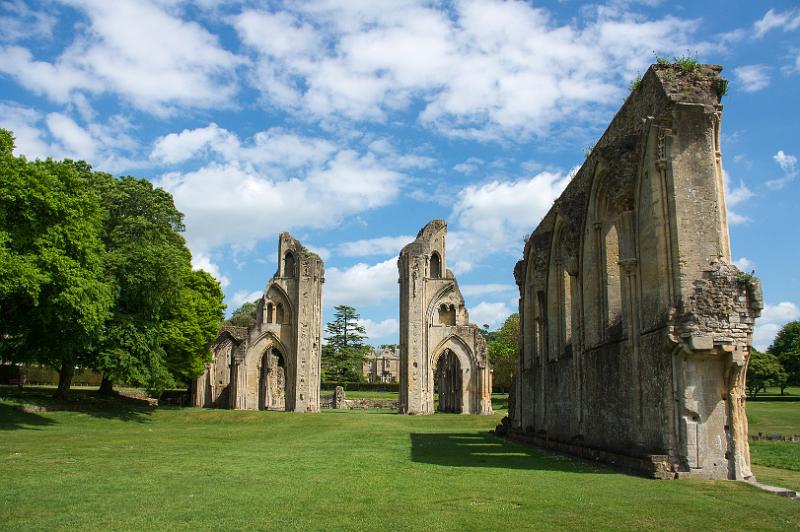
(289, 318)
(422, 334)
(608, 287)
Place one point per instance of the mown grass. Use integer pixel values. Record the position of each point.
(773, 417)
(774, 476)
(119, 466)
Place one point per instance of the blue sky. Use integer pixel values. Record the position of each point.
(352, 123)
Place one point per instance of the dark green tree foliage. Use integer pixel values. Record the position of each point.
(344, 352)
(763, 369)
(95, 273)
(191, 324)
(503, 352)
(152, 336)
(146, 259)
(786, 347)
(54, 296)
(244, 316)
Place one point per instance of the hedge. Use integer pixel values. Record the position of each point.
(47, 376)
(362, 386)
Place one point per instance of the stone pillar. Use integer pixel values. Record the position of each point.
(339, 398)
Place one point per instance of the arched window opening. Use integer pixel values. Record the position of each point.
(448, 383)
(279, 314)
(566, 307)
(272, 381)
(269, 311)
(613, 281)
(447, 314)
(288, 265)
(436, 266)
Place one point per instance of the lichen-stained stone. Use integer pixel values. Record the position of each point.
(440, 351)
(636, 327)
(275, 363)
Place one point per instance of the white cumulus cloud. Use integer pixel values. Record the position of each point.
(383, 245)
(274, 182)
(752, 78)
(385, 329)
(240, 297)
(788, 164)
(495, 216)
(362, 284)
(137, 50)
(491, 314)
(773, 317)
(479, 69)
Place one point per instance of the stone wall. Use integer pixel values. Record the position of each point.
(275, 363)
(636, 329)
(434, 328)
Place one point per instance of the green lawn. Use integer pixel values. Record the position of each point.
(114, 466)
(773, 417)
(388, 396)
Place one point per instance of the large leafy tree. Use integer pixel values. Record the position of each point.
(94, 272)
(152, 335)
(503, 351)
(54, 294)
(763, 369)
(344, 351)
(786, 347)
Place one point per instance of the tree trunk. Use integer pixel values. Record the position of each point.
(65, 378)
(106, 385)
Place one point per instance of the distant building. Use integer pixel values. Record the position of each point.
(383, 366)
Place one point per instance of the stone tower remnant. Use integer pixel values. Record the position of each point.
(275, 363)
(440, 351)
(636, 328)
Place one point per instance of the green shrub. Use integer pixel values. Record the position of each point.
(361, 386)
(721, 87)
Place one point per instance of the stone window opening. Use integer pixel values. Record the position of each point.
(447, 314)
(279, 314)
(612, 280)
(435, 266)
(288, 265)
(566, 307)
(269, 313)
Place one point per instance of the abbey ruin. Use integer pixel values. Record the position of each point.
(440, 351)
(636, 328)
(275, 363)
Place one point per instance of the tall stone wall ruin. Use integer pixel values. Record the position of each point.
(440, 351)
(636, 328)
(275, 363)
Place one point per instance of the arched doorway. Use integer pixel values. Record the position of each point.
(448, 383)
(272, 381)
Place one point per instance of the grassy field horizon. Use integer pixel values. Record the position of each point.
(125, 467)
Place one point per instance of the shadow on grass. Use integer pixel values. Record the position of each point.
(481, 449)
(788, 398)
(15, 417)
(22, 407)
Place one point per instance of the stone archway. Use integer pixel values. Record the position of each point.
(272, 381)
(448, 379)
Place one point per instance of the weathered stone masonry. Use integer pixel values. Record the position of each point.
(636, 329)
(275, 363)
(440, 351)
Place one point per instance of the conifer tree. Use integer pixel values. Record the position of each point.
(344, 351)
